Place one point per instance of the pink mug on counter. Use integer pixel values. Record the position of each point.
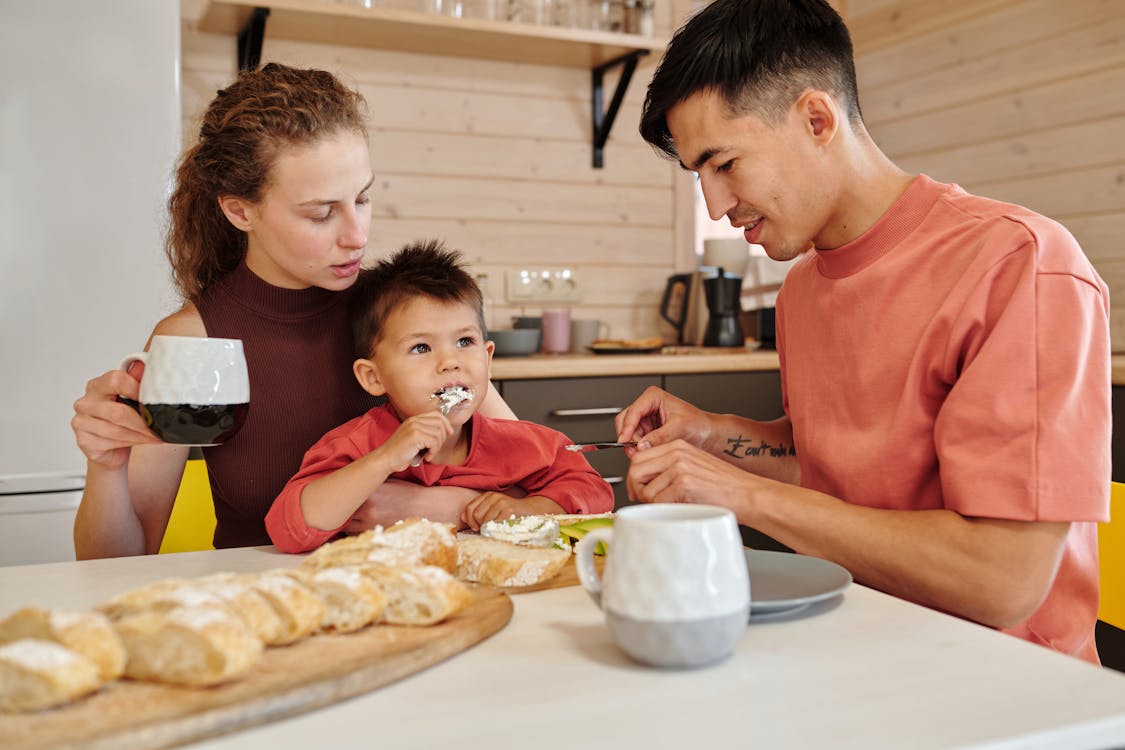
(556, 331)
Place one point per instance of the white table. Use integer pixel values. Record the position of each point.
(863, 671)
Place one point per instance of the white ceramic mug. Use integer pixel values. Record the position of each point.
(676, 591)
(584, 332)
(194, 391)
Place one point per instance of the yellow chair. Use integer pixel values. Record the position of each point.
(191, 526)
(1111, 559)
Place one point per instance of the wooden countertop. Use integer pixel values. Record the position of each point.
(668, 361)
(1118, 372)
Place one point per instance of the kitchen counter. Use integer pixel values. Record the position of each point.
(862, 670)
(671, 360)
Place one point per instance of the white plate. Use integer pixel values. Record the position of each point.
(784, 581)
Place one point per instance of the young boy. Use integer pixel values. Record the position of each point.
(420, 337)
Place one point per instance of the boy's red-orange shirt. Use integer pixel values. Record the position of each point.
(957, 356)
(503, 454)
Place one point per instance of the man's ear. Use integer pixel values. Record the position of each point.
(821, 113)
(238, 211)
(368, 377)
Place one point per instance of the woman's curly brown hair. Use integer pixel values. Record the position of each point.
(243, 130)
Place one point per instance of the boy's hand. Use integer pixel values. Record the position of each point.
(493, 506)
(422, 432)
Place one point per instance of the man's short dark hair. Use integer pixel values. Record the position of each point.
(759, 55)
(424, 268)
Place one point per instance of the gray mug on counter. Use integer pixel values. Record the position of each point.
(584, 332)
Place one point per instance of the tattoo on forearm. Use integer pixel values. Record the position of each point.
(740, 447)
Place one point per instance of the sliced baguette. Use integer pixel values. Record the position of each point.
(37, 674)
(188, 646)
(500, 563)
(88, 633)
(300, 610)
(422, 595)
(351, 599)
(251, 605)
(160, 596)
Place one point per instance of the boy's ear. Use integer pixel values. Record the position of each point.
(368, 377)
(490, 347)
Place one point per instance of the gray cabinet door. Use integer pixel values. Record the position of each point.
(756, 395)
(582, 409)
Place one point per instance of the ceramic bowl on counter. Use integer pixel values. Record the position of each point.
(515, 342)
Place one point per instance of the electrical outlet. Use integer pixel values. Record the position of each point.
(542, 285)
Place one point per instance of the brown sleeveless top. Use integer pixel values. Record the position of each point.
(299, 358)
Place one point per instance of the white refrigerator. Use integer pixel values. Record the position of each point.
(89, 132)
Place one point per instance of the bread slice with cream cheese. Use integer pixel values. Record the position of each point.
(501, 563)
(414, 541)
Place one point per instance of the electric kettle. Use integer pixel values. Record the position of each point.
(684, 306)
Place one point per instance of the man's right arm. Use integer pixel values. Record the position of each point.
(764, 448)
(657, 417)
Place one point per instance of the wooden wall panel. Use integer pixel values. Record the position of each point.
(412, 197)
(1063, 194)
(878, 23)
(552, 160)
(1065, 54)
(1061, 149)
(955, 44)
(1023, 101)
(1036, 107)
(495, 159)
(1102, 235)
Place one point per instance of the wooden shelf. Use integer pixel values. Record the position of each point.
(329, 22)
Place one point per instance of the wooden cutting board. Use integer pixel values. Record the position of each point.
(288, 680)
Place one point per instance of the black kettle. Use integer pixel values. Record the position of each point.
(683, 305)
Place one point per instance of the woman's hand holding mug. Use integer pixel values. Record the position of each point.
(194, 391)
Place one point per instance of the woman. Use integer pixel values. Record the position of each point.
(269, 221)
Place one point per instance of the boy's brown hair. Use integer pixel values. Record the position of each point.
(424, 268)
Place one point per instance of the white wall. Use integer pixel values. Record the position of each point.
(89, 130)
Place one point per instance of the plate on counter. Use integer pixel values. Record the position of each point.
(783, 582)
(625, 346)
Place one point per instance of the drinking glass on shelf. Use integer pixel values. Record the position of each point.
(593, 14)
(543, 12)
(562, 12)
(486, 9)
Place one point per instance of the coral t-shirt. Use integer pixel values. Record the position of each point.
(957, 356)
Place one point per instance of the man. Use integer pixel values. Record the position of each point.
(944, 357)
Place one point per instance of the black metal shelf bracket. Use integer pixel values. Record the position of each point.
(250, 40)
(603, 118)
(250, 56)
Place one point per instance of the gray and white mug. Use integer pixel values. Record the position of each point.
(676, 590)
